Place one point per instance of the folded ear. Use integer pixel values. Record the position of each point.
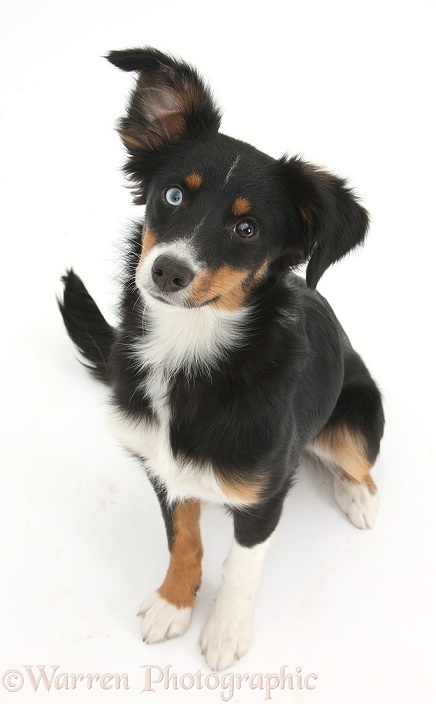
(169, 101)
(333, 220)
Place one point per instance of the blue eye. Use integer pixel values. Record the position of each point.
(174, 196)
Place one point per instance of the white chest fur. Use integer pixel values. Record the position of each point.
(176, 339)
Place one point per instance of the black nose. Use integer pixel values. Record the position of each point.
(171, 274)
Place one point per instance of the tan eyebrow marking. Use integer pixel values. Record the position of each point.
(193, 181)
(241, 206)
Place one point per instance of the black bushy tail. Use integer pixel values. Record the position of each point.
(86, 326)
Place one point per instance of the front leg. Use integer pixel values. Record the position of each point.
(227, 633)
(167, 612)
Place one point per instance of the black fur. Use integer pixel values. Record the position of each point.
(86, 326)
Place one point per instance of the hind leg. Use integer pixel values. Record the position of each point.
(341, 450)
(349, 443)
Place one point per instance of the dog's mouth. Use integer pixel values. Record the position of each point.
(175, 301)
(168, 299)
(162, 299)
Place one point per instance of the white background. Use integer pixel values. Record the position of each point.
(348, 85)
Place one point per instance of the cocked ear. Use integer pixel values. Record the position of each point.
(333, 221)
(169, 101)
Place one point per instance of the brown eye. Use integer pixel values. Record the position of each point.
(245, 229)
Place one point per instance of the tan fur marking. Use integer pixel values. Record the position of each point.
(149, 239)
(130, 140)
(241, 206)
(199, 290)
(368, 480)
(306, 213)
(225, 284)
(228, 283)
(229, 286)
(248, 493)
(193, 181)
(260, 273)
(347, 450)
(183, 577)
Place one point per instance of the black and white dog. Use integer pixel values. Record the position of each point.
(226, 368)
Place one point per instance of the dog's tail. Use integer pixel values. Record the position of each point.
(86, 326)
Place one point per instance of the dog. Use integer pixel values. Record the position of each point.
(227, 369)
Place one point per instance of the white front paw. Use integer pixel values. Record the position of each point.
(358, 502)
(226, 635)
(162, 620)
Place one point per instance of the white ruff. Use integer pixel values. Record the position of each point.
(186, 339)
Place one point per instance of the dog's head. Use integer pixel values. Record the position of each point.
(221, 216)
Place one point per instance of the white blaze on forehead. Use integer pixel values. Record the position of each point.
(232, 169)
(196, 229)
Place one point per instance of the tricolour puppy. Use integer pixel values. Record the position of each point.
(226, 368)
